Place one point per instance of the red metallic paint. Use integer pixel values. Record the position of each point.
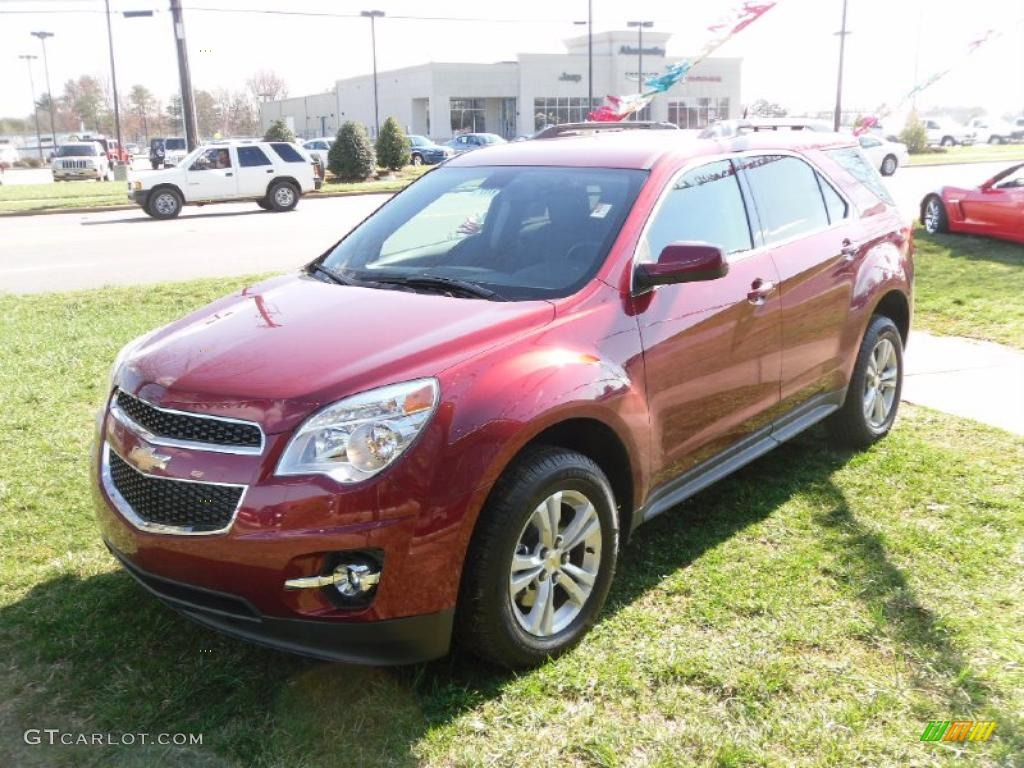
(986, 209)
(675, 374)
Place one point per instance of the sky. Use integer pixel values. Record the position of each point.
(790, 55)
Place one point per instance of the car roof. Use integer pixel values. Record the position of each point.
(642, 149)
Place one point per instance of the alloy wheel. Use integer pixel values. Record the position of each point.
(889, 166)
(284, 196)
(165, 204)
(880, 381)
(931, 216)
(555, 564)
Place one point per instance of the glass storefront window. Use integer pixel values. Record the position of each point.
(698, 112)
(555, 110)
(467, 116)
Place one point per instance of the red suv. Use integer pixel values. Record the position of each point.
(451, 421)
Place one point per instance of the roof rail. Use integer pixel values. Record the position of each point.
(594, 126)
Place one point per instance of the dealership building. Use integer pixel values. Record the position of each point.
(514, 98)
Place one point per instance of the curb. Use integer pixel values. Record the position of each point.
(963, 162)
(133, 206)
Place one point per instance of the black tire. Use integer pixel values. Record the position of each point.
(156, 166)
(889, 165)
(282, 196)
(947, 141)
(264, 204)
(164, 203)
(417, 159)
(851, 426)
(933, 215)
(995, 139)
(487, 620)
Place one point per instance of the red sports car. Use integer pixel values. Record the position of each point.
(995, 208)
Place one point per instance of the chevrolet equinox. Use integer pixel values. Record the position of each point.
(448, 424)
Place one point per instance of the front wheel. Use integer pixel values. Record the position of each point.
(947, 141)
(282, 196)
(417, 160)
(934, 216)
(873, 397)
(995, 139)
(541, 560)
(889, 165)
(164, 204)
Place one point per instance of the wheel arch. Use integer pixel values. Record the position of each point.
(895, 305)
(167, 185)
(288, 179)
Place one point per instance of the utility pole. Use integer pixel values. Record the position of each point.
(373, 16)
(49, 93)
(837, 119)
(35, 112)
(188, 107)
(113, 85)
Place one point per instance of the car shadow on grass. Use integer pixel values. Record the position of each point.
(100, 655)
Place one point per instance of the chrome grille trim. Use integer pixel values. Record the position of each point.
(130, 515)
(118, 413)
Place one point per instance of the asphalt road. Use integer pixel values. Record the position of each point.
(87, 250)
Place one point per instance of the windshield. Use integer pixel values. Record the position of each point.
(521, 232)
(82, 150)
(174, 143)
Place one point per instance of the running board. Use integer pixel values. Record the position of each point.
(714, 469)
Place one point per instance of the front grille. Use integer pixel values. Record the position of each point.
(75, 164)
(183, 426)
(190, 506)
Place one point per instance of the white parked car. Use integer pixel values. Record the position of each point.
(319, 148)
(275, 174)
(81, 160)
(991, 130)
(946, 133)
(885, 155)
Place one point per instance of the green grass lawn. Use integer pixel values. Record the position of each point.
(89, 194)
(816, 609)
(970, 286)
(979, 153)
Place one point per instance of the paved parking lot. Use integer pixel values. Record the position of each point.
(84, 250)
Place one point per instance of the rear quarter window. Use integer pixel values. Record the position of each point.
(287, 152)
(853, 162)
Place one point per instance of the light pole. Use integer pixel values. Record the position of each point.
(590, 53)
(640, 26)
(113, 85)
(839, 78)
(373, 16)
(49, 93)
(35, 112)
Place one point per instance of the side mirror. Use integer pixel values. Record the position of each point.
(682, 263)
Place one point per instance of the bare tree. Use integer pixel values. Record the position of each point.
(267, 85)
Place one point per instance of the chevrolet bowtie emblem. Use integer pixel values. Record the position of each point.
(146, 458)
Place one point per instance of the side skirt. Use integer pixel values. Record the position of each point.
(728, 461)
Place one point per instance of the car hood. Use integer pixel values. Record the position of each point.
(172, 175)
(272, 352)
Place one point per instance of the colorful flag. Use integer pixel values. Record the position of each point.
(619, 108)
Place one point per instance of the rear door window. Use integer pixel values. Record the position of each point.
(287, 152)
(252, 156)
(786, 194)
(834, 202)
(705, 205)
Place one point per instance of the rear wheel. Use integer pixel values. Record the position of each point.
(417, 159)
(264, 204)
(873, 397)
(155, 165)
(164, 203)
(995, 139)
(889, 165)
(934, 216)
(541, 560)
(947, 141)
(282, 196)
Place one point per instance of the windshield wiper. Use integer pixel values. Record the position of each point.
(331, 275)
(443, 283)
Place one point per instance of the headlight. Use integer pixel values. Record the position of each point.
(123, 355)
(355, 438)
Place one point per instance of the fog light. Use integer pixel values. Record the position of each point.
(354, 578)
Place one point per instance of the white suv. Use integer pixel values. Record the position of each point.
(945, 133)
(273, 173)
(81, 160)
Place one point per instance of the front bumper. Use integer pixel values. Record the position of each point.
(397, 641)
(76, 173)
(139, 196)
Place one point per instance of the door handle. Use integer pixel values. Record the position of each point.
(759, 291)
(849, 249)
(229, 174)
(270, 170)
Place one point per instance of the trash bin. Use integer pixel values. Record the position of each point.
(121, 172)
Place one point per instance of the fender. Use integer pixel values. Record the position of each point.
(289, 179)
